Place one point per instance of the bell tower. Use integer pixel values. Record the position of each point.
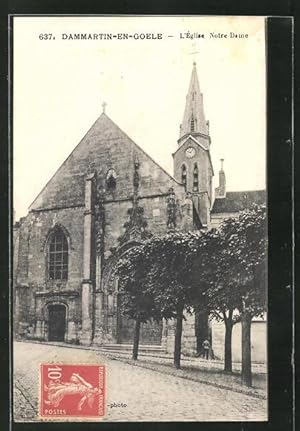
(192, 162)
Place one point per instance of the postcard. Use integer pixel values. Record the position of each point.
(140, 241)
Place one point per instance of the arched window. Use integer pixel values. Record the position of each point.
(111, 180)
(195, 179)
(183, 176)
(192, 125)
(58, 255)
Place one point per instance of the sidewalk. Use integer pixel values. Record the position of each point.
(215, 364)
(209, 372)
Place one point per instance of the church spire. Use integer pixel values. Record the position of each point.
(193, 118)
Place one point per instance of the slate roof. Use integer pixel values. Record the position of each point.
(238, 201)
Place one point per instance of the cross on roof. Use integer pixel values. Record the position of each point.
(103, 106)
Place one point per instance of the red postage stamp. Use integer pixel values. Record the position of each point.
(69, 390)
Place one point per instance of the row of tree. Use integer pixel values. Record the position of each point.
(225, 269)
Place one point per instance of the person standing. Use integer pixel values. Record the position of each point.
(206, 347)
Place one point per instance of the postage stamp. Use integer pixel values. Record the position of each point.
(70, 390)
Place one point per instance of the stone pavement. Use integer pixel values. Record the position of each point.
(210, 372)
(147, 394)
(202, 374)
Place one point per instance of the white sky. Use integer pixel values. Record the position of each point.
(59, 87)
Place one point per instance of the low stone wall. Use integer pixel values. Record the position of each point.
(258, 341)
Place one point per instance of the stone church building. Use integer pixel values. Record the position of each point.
(105, 198)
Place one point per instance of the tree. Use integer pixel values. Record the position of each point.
(221, 294)
(137, 303)
(158, 282)
(232, 261)
(245, 246)
(253, 246)
(226, 268)
(170, 278)
(216, 293)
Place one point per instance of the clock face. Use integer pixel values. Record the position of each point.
(190, 152)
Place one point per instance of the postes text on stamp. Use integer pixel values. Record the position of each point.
(70, 390)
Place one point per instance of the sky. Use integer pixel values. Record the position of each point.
(59, 86)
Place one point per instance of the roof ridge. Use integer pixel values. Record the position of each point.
(140, 148)
(61, 165)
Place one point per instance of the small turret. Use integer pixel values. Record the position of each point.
(220, 192)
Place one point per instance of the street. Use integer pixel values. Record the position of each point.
(133, 393)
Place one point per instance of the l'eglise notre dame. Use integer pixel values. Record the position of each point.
(105, 198)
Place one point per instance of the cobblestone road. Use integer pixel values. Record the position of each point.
(148, 395)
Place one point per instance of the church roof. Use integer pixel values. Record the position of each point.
(103, 147)
(238, 201)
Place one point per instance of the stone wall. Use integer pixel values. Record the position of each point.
(104, 147)
(62, 203)
(189, 341)
(33, 243)
(258, 341)
(216, 219)
(116, 214)
(201, 158)
(32, 288)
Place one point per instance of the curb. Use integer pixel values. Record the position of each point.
(111, 352)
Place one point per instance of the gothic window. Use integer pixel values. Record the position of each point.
(183, 176)
(195, 179)
(111, 180)
(58, 256)
(192, 124)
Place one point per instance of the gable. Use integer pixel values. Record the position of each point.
(191, 141)
(104, 147)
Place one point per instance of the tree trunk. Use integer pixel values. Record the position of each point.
(228, 347)
(136, 339)
(201, 327)
(178, 333)
(246, 349)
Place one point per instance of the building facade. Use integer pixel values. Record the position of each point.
(105, 198)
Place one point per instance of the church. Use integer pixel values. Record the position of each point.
(106, 197)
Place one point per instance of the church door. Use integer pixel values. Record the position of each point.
(57, 322)
(150, 332)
